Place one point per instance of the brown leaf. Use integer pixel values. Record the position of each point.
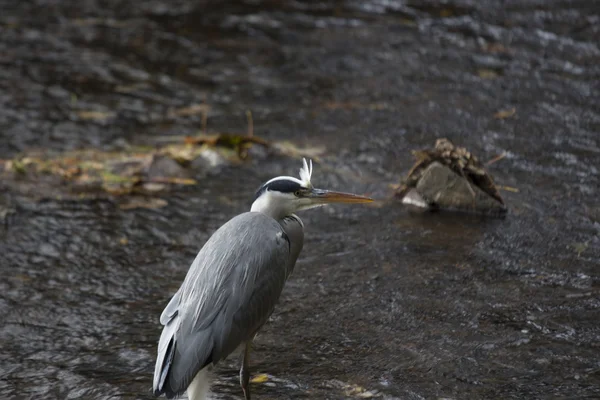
(228, 140)
(153, 187)
(496, 48)
(485, 73)
(502, 114)
(131, 88)
(193, 109)
(150, 203)
(261, 378)
(291, 150)
(172, 180)
(94, 115)
(580, 248)
(201, 139)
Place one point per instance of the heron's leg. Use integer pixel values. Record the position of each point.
(245, 371)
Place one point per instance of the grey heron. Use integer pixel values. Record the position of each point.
(233, 285)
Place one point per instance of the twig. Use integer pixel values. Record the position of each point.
(496, 159)
(204, 116)
(250, 123)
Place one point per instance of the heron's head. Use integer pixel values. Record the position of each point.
(285, 195)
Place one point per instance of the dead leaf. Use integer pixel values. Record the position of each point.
(485, 73)
(183, 153)
(366, 395)
(171, 180)
(496, 48)
(239, 143)
(149, 203)
(446, 12)
(580, 248)
(94, 115)
(502, 114)
(109, 177)
(358, 391)
(262, 378)
(201, 139)
(226, 200)
(131, 88)
(22, 277)
(225, 139)
(291, 150)
(153, 187)
(193, 109)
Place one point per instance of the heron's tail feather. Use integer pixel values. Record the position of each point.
(200, 386)
(164, 358)
(181, 361)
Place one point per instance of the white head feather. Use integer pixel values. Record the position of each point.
(306, 173)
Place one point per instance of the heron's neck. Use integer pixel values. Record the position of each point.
(273, 206)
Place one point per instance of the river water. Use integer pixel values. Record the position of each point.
(385, 302)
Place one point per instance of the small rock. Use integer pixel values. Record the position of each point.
(414, 198)
(258, 152)
(207, 160)
(48, 250)
(440, 187)
(450, 177)
(164, 167)
(121, 144)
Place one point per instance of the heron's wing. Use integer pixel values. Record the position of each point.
(252, 313)
(171, 309)
(229, 291)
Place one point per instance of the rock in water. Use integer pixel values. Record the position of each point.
(451, 178)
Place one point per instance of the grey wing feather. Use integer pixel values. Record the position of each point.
(251, 315)
(171, 309)
(165, 353)
(228, 293)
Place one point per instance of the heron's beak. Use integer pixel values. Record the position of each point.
(321, 196)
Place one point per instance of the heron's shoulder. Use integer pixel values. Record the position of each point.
(254, 226)
(252, 218)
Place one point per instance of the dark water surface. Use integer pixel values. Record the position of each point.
(404, 305)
